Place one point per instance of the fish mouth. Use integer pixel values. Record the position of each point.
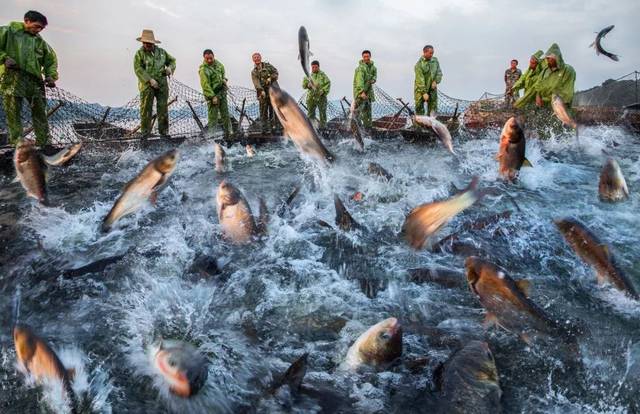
(393, 326)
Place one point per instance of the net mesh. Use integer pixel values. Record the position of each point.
(72, 119)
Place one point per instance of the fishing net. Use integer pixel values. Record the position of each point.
(388, 112)
(72, 119)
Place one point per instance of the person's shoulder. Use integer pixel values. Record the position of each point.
(14, 26)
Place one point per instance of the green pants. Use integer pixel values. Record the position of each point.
(267, 116)
(13, 108)
(319, 103)
(146, 109)
(219, 113)
(432, 103)
(363, 108)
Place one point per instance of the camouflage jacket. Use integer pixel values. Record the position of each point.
(262, 75)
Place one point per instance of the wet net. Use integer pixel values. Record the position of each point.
(388, 112)
(72, 119)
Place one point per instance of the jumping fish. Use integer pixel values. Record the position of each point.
(438, 127)
(31, 171)
(511, 154)
(612, 186)
(219, 157)
(297, 126)
(144, 187)
(380, 345)
(37, 358)
(63, 156)
(595, 253)
(234, 214)
(426, 219)
(597, 44)
(182, 366)
(561, 112)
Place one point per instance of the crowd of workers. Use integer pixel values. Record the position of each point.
(28, 64)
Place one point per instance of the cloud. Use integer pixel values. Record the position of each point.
(155, 6)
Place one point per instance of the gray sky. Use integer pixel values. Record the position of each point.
(474, 39)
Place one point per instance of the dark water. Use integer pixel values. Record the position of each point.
(301, 288)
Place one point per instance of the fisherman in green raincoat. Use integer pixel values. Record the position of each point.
(24, 59)
(558, 78)
(528, 80)
(214, 89)
(428, 76)
(152, 66)
(318, 89)
(262, 75)
(365, 76)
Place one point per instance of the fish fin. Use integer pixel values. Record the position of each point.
(153, 198)
(605, 249)
(438, 376)
(497, 157)
(15, 180)
(593, 44)
(601, 278)
(527, 163)
(263, 217)
(526, 338)
(71, 373)
(310, 53)
(524, 286)
(299, 57)
(490, 320)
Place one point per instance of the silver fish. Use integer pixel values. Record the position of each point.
(597, 44)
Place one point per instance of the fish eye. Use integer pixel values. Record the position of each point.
(385, 335)
(172, 363)
(490, 355)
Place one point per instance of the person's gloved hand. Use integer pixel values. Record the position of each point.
(434, 85)
(49, 82)
(538, 101)
(10, 63)
(263, 94)
(153, 83)
(268, 81)
(425, 97)
(215, 100)
(168, 71)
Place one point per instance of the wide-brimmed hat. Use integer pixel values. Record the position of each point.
(147, 37)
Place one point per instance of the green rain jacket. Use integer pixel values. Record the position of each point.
(560, 81)
(322, 83)
(528, 81)
(426, 72)
(153, 64)
(363, 80)
(33, 56)
(212, 78)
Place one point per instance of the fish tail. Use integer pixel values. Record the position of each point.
(71, 395)
(105, 227)
(17, 300)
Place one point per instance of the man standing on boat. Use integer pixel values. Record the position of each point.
(428, 76)
(528, 81)
(25, 58)
(558, 78)
(364, 77)
(511, 76)
(214, 89)
(262, 75)
(317, 91)
(152, 66)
